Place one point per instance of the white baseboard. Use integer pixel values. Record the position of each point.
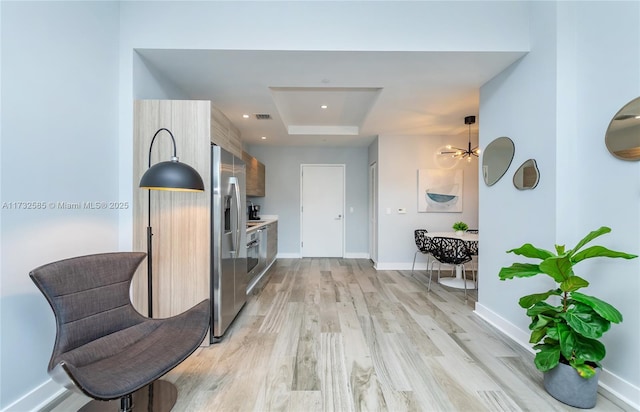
(393, 266)
(622, 389)
(504, 326)
(288, 256)
(38, 398)
(347, 255)
(358, 255)
(420, 266)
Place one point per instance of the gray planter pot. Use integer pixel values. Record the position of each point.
(564, 384)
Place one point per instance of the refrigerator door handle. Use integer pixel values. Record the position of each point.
(234, 182)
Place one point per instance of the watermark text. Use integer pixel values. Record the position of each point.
(65, 205)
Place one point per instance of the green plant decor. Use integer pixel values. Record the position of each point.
(567, 332)
(460, 226)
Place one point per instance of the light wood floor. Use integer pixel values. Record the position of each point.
(335, 335)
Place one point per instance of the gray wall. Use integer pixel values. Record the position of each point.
(282, 198)
(556, 104)
(59, 144)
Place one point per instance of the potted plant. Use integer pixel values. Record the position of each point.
(566, 324)
(460, 228)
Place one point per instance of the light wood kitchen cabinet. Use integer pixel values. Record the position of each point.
(255, 175)
(224, 133)
(272, 242)
(181, 221)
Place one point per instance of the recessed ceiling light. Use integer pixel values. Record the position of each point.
(264, 137)
(324, 106)
(246, 116)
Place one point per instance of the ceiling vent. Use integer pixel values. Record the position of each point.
(263, 116)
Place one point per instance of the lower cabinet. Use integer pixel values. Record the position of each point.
(268, 249)
(272, 242)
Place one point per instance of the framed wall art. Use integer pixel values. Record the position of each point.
(440, 190)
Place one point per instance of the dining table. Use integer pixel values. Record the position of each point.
(458, 282)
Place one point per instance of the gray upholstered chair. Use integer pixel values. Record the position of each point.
(104, 348)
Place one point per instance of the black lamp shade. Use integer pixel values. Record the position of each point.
(172, 175)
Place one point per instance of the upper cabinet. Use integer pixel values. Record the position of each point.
(224, 133)
(255, 175)
(227, 136)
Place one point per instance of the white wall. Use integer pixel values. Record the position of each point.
(556, 104)
(151, 85)
(605, 191)
(508, 217)
(399, 158)
(59, 144)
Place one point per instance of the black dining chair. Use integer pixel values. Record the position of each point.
(423, 243)
(473, 251)
(450, 251)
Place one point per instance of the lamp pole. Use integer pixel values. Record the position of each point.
(149, 262)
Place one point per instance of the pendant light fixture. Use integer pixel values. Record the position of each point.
(467, 153)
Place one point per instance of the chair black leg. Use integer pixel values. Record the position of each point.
(126, 403)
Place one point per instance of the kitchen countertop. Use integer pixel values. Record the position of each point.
(257, 224)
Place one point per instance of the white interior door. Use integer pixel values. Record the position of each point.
(322, 211)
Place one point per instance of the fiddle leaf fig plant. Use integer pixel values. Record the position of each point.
(567, 329)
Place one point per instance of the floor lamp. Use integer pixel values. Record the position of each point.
(168, 175)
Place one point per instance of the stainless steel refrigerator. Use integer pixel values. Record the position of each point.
(228, 240)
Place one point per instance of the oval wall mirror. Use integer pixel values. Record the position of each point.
(623, 134)
(527, 176)
(496, 159)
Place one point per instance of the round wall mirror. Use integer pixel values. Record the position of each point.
(527, 176)
(496, 159)
(623, 134)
